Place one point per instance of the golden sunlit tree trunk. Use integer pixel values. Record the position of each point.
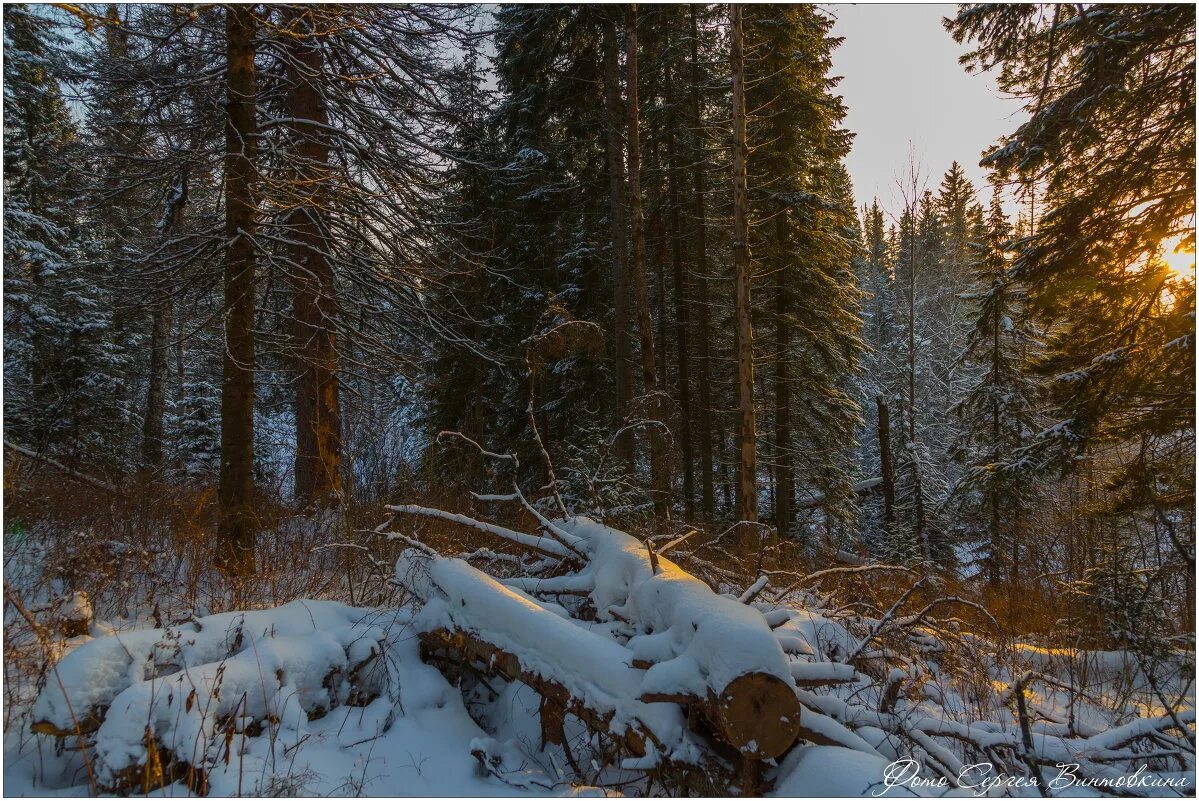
(237, 523)
(747, 455)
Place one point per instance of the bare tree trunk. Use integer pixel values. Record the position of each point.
(616, 221)
(703, 326)
(747, 455)
(682, 302)
(314, 299)
(785, 472)
(160, 339)
(918, 489)
(886, 465)
(995, 536)
(156, 387)
(658, 464)
(237, 517)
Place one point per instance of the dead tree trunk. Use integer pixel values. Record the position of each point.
(920, 530)
(747, 455)
(314, 299)
(744, 687)
(237, 518)
(156, 386)
(658, 465)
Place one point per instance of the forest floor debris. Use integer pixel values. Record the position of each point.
(321, 698)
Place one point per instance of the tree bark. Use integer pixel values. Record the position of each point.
(314, 295)
(156, 387)
(886, 465)
(785, 460)
(747, 456)
(160, 339)
(681, 301)
(992, 492)
(703, 325)
(235, 497)
(921, 534)
(616, 221)
(658, 466)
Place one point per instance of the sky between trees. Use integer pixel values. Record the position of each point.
(904, 88)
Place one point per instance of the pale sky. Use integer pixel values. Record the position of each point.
(904, 89)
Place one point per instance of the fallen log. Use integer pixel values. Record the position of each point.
(690, 642)
(155, 706)
(112, 489)
(489, 659)
(472, 615)
(700, 644)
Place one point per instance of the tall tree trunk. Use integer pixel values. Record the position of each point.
(314, 299)
(160, 339)
(886, 464)
(156, 386)
(681, 301)
(237, 517)
(996, 573)
(703, 313)
(658, 464)
(615, 152)
(785, 472)
(747, 454)
(918, 490)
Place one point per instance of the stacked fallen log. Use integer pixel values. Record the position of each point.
(157, 706)
(472, 615)
(598, 622)
(650, 657)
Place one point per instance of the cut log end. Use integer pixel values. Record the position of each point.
(759, 715)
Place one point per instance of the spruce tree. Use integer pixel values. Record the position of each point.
(63, 371)
(997, 414)
(1111, 137)
(804, 237)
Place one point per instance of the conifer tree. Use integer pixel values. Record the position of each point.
(997, 413)
(746, 431)
(805, 237)
(1111, 138)
(63, 369)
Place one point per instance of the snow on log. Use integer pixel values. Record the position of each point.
(696, 648)
(187, 718)
(822, 674)
(164, 704)
(473, 614)
(712, 649)
(95, 673)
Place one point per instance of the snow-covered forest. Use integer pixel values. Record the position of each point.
(501, 400)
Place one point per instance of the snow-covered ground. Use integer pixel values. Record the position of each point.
(420, 736)
(317, 697)
(415, 739)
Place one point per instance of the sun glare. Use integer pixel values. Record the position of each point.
(1179, 255)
